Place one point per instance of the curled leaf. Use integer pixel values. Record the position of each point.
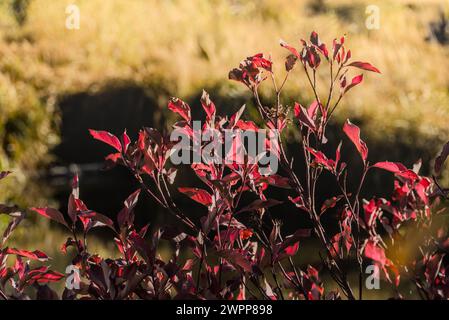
(353, 133)
(355, 81)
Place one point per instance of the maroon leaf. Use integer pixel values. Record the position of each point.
(125, 216)
(292, 239)
(278, 181)
(17, 218)
(198, 195)
(439, 161)
(49, 276)
(236, 258)
(101, 220)
(4, 174)
(330, 203)
(260, 204)
(364, 65)
(34, 255)
(141, 246)
(315, 40)
(290, 62)
(52, 214)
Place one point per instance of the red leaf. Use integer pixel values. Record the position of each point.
(246, 125)
(101, 220)
(126, 141)
(330, 203)
(321, 159)
(313, 108)
(355, 81)
(408, 174)
(260, 62)
(34, 255)
(289, 48)
(236, 117)
(290, 62)
(353, 133)
(260, 204)
(208, 106)
(111, 160)
(298, 202)
(315, 40)
(180, 107)
(236, 258)
(303, 117)
(394, 167)
(291, 250)
(198, 195)
(246, 234)
(364, 65)
(52, 214)
(376, 253)
(279, 181)
(49, 276)
(125, 216)
(107, 138)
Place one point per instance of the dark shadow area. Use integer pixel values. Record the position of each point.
(113, 110)
(131, 107)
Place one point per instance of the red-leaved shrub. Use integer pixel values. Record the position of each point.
(225, 257)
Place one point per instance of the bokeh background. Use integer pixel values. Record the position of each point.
(129, 56)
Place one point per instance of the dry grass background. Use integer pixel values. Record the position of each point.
(178, 47)
(183, 46)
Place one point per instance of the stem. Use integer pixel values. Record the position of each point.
(3, 295)
(356, 206)
(277, 283)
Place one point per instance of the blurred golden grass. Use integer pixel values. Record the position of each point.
(183, 46)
